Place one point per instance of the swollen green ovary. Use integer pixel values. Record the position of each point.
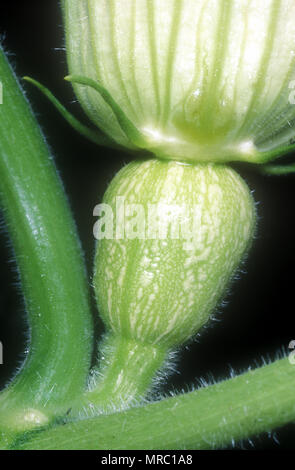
(159, 285)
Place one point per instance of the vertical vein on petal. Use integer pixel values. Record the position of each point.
(277, 108)
(93, 34)
(177, 7)
(199, 67)
(153, 52)
(132, 53)
(241, 58)
(261, 74)
(221, 49)
(112, 16)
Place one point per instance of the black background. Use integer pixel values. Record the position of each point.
(258, 320)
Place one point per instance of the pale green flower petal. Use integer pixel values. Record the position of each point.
(201, 79)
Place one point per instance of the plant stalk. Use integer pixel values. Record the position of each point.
(127, 372)
(51, 269)
(213, 417)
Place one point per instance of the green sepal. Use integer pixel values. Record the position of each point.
(133, 134)
(277, 170)
(93, 135)
(278, 152)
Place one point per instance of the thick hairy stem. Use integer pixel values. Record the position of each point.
(50, 265)
(126, 372)
(208, 418)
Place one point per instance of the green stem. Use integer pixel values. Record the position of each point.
(94, 135)
(50, 265)
(208, 418)
(277, 170)
(130, 130)
(126, 372)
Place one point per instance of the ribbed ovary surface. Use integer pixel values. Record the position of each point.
(157, 279)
